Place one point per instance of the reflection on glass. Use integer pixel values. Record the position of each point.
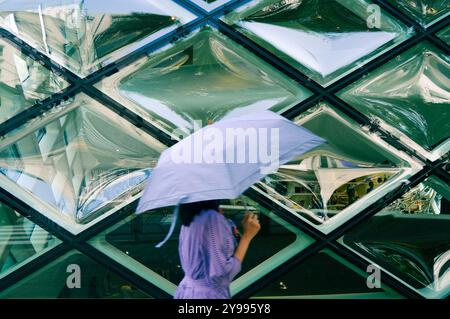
(201, 78)
(325, 39)
(86, 34)
(324, 275)
(410, 95)
(23, 81)
(425, 12)
(137, 236)
(21, 240)
(95, 281)
(79, 164)
(411, 239)
(445, 35)
(210, 4)
(345, 174)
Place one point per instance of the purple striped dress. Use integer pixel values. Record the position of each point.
(206, 249)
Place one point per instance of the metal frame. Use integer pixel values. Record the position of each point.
(86, 85)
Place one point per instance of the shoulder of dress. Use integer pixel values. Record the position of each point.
(213, 215)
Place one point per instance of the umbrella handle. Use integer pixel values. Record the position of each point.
(176, 212)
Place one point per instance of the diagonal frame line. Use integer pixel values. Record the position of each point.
(329, 240)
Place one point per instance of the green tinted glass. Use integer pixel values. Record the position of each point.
(445, 35)
(23, 81)
(410, 238)
(21, 240)
(325, 39)
(328, 276)
(222, 77)
(85, 35)
(426, 12)
(333, 182)
(73, 275)
(133, 242)
(410, 95)
(78, 163)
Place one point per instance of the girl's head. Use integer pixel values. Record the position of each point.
(188, 211)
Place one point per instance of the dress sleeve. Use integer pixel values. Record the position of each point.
(220, 249)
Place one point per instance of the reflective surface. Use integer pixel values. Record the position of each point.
(325, 39)
(410, 94)
(79, 162)
(23, 81)
(209, 4)
(339, 178)
(95, 281)
(79, 165)
(222, 77)
(410, 238)
(21, 240)
(425, 12)
(445, 35)
(327, 276)
(137, 236)
(84, 35)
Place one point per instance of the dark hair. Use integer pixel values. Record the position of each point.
(188, 211)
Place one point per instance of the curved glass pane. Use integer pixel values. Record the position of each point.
(77, 164)
(73, 276)
(426, 12)
(445, 35)
(410, 96)
(21, 240)
(201, 78)
(133, 241)
(331, 183)
(209, 5)
(325, 39)
(411, 239)
(324, 276)
(84, 35)
(23, 81)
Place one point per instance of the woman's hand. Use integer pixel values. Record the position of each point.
(250, 225)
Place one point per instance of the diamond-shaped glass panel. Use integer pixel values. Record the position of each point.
(209, 5)
(137, 236)
(331, 183)
(410, 238)
(84, 35)
(201, 78)
(325, 39)
(445, 35)
(73, 276)
(324, 275)
(77, 163)
(410, 96)
(425, 12)
(21, 240)
(23, 81)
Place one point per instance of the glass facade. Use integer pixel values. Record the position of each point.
(23, 82)
(54, 281)
(410, 97)
(85, 35)
(325, 39)
(76, 146)
(225, 77)
(414, 244)
(425, 12)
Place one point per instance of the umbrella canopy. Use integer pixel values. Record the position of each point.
(222, 160)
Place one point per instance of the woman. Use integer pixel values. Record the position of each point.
(210, 251)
